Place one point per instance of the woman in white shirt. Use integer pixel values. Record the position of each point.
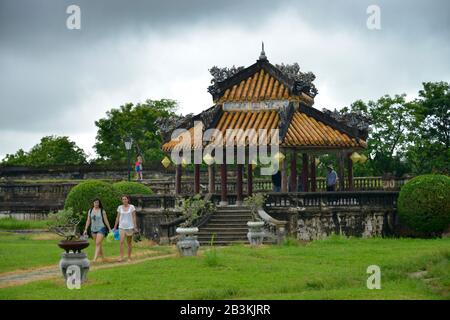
(126, 220)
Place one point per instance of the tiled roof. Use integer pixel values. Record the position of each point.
(260, 86)
(307, 131)
(303, 131)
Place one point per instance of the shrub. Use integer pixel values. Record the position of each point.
(424, 204)
(131, 188)
(80, 199)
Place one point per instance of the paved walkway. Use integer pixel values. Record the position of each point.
(20, 277)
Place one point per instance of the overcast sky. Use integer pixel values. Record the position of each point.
(59, 81)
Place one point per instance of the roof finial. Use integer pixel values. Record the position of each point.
(262, 56)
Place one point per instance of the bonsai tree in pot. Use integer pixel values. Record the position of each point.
(255, 233)
(65, 224)
(193, 209)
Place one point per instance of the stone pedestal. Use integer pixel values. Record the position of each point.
(78, 259)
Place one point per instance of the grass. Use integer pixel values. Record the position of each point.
(329, 269)
(15, 224)
(25, 251)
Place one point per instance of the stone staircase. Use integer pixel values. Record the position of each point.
(228, 225)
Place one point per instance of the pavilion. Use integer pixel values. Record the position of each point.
(265, 96)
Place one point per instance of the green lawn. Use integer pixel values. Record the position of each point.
(330, 269)
(25, 251)
(15, 224)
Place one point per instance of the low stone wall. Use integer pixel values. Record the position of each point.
(319, 224)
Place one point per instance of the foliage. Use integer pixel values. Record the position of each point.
(64, 223)
(408, 136)
(430, 151)
(81, 196)
(131, 188)
(195, 207)
(15, 224)
(255, 202)
(424, 204)
(242, 274)
(138, 122)
(51, 150)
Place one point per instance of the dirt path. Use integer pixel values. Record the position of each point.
(21, 277)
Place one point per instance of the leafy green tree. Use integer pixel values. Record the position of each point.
(141, 123)
(51, 150)
(430, 151)
(390, 130)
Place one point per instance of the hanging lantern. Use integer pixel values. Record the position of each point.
(355, 157)
(317, 161)
(166, 162)
(184, 163)
(363, 159)
(254, 164)
(209, 160)
(279, 156)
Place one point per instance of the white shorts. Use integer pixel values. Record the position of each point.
(128, 232)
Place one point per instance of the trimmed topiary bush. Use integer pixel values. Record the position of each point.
(80, 199)
(131, 188)
(424, 204)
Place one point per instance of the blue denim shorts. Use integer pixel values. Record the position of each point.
(103, 231)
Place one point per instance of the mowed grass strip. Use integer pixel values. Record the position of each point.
(15, 224)
(26, 251)
(330, 269)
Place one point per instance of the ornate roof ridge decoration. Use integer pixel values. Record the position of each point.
(289, 75)
(351, 119)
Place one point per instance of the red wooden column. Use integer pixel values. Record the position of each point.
(293, 176)
(350, 171)
(313, 174)
(305, 172)
(211, 179)
(284, 180)
(196, 178)
(249, 179)
(178, 173)
(223, 183)
(340, 170)
(239, 197)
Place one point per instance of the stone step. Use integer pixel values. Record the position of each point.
(219, 229)
(214, 218)
(227, 224)
(232, 214)
(223, 237)
(222, 233)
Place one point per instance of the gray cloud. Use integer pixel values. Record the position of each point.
(55, 80)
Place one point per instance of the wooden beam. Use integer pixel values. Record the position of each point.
(313, 174)
(223, 183)
(239, 197)
(293, 176)
(350, 171)
(284, 180)
(249, 179)
(305, 172)
(211, 179)
(178, 173)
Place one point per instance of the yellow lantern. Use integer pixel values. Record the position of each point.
(209, 160)
(254, 164)
(317, 161)
(184, 163)
(362, 159)
(279, 156)
(355, 157)
(166, 162)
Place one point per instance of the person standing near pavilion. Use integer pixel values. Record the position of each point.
(331, 178)
(138, 168)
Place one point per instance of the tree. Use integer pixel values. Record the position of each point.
(138, 122)
(51, 150)
(430, 150)
(391, 123)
